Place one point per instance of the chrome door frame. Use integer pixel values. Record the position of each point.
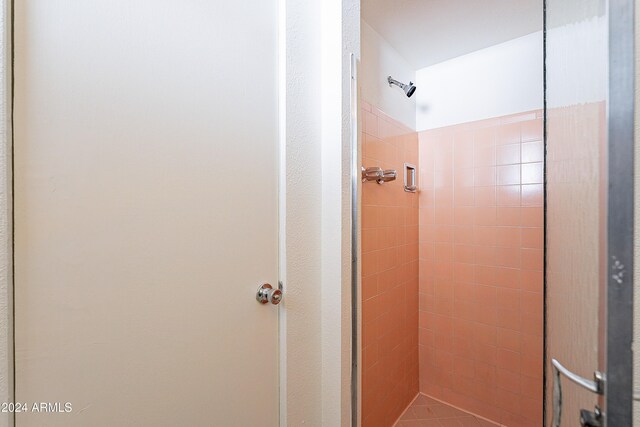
(355, 244)
(618, 396)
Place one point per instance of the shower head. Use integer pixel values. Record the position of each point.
(408, 89)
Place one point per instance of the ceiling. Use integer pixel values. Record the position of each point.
(426, 32)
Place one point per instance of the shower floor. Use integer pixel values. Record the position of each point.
(427, 412)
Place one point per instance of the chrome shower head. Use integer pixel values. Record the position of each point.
(408, 89)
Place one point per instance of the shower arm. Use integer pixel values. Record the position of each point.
(393, 81)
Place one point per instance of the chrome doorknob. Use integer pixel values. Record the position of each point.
(267, 294)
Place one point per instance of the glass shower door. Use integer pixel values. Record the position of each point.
(589, 212)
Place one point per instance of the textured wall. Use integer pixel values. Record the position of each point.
(300, 269)
(389, 274)
(316, 210)
(379, 60)
(481, 259)
(340, 38)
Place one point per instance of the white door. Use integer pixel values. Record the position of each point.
(146, 185)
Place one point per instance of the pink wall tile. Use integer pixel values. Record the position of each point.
(484, 175)
(509, 175)
(532, 151)
(481, 297)
(392, 307)
(509, 195)
(508, 154)
(532, 173)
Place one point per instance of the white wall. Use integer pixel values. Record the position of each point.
(496, 81)
(316, 267)
(379, 60)
(316, 246)
(340, 37)
(301, 366)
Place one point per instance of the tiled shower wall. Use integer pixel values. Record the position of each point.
(389, 273)
(481, 262)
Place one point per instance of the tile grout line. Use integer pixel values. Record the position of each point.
(406, 409)
(463, 410)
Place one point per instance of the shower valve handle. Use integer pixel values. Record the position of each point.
(372, 174)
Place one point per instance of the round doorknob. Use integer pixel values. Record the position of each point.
(266, 294)
(275, 296)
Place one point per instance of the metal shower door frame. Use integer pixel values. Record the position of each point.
(618, 357)
(355, 243)
(618, 307)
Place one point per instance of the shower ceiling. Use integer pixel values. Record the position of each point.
(426, 32)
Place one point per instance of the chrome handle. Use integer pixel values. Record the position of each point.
(388, 175)
(378, 174)
(372, 174)
(595, 386)
(266, 294)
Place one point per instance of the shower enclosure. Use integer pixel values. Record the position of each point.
(500, 291)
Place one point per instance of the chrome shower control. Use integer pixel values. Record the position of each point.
(378, 174)
(372, 174)
(266, 294)
(387, 175)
